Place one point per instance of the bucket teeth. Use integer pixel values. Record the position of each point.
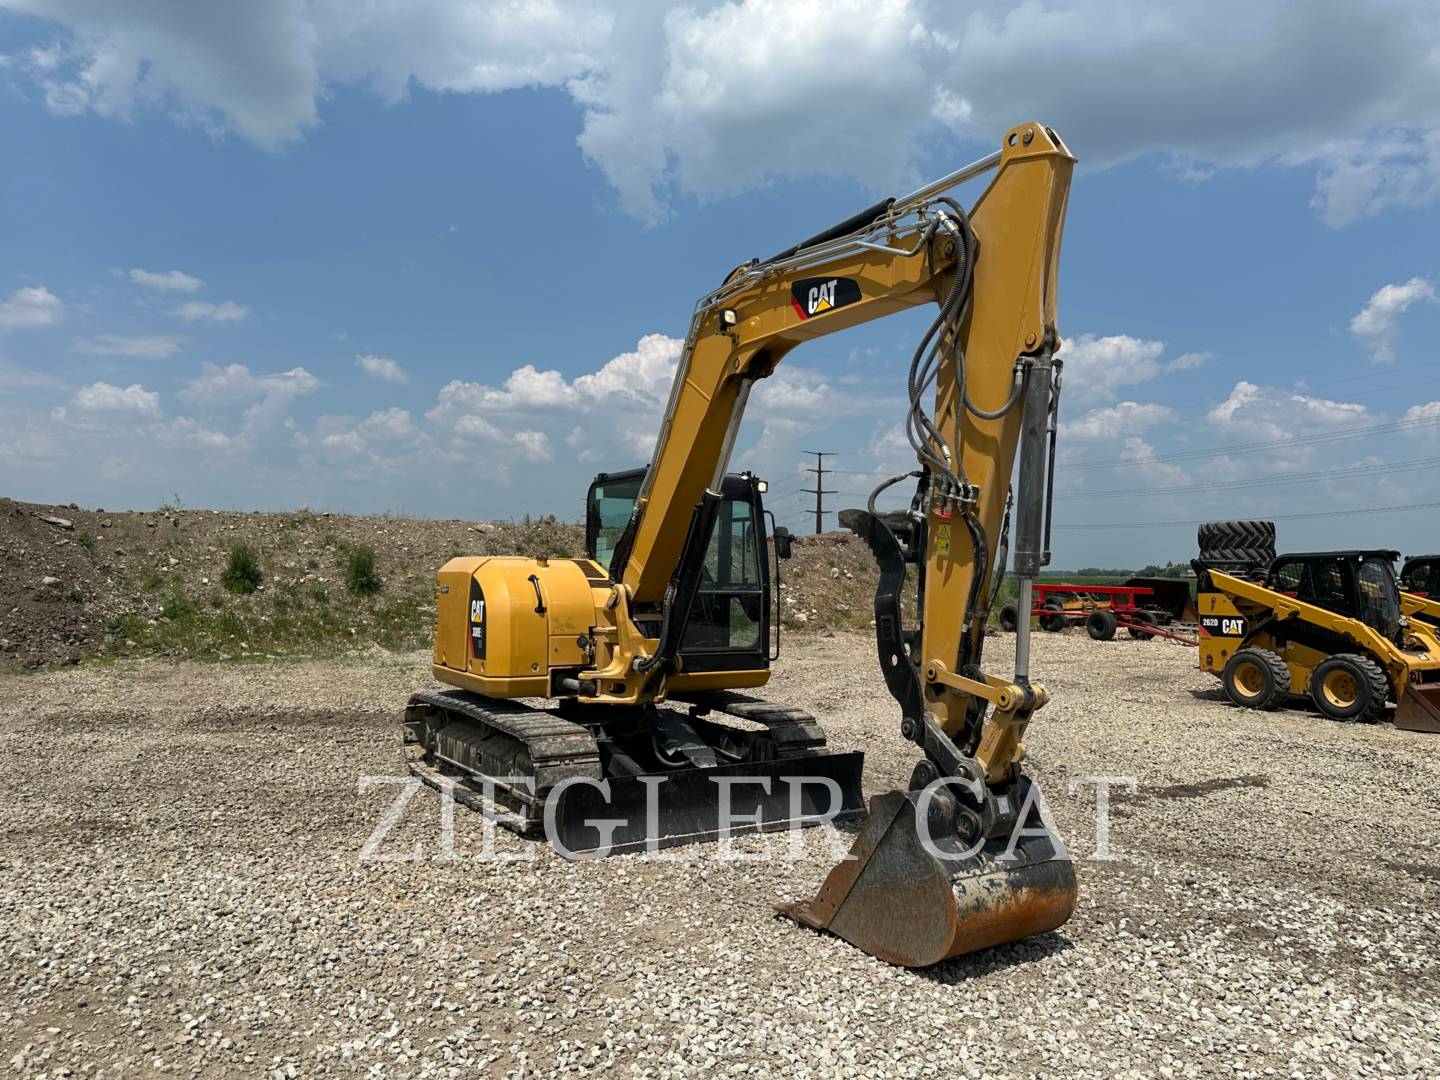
(914, 907)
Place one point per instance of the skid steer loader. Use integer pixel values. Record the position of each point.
(1325, 624)
(1420, 589)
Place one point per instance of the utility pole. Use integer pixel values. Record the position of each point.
(819, 489)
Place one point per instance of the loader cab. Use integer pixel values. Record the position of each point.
(730, 625)
(1356, 584)
(1421, 575)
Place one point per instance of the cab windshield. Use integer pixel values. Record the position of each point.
(1377, 596)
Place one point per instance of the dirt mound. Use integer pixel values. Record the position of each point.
(829, 584)
(77, 584)
(80, 583)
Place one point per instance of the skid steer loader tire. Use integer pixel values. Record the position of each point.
(1053, 623)
(1256, 679)
(1009, 618)
(1349, 686)
(1141, 617)
(1101, 624)
(1237, 545)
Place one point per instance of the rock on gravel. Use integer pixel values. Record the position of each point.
(181, 891)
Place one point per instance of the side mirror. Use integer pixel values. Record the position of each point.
(783, 540)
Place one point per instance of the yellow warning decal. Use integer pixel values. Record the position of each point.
(942, 540)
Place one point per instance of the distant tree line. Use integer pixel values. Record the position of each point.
(1169, 570)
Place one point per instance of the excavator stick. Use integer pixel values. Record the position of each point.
(914, 907)
(1419, 708)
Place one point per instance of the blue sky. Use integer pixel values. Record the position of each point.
(436, 258)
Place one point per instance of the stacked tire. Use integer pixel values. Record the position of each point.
(1237, 545)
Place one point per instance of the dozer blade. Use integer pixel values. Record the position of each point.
(687, 805)
(899, 902)
(1419, 708)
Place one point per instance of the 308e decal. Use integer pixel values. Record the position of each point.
(477, 621)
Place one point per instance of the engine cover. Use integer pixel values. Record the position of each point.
(502, 622)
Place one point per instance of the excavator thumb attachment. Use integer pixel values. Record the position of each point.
(915, 907)
(1419, 708)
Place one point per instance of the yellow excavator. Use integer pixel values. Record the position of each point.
(644, 649)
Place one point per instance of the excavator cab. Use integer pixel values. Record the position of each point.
(732, 624)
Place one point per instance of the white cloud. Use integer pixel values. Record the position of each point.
(710, 98)
(165, 281)
(1189, 361)
(259, 69)
(385, 439)
(535, 445)
(639, 378)
(146, 347)
(1096, 367)
(1429, 411)
(29, 446)
(1267, 413)
(1376, 324)
(14, 378)
(225, 311)
(237, 383)
(1115, 422)
(30, 307)
(102, 397)
(382, 368)
(187, 431)
(1358, 178)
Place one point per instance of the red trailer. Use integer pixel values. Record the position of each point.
(1103, 609)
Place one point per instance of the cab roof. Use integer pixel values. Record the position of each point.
(1351, 553)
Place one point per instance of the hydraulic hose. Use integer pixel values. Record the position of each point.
(870, 503)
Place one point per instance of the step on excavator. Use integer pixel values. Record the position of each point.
(605, 702)
(1330, 625)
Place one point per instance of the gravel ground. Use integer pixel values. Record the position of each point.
(181, 891)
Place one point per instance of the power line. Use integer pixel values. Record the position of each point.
(1261, 481)
(1419, 422)
(819, 489)
(1272, 517)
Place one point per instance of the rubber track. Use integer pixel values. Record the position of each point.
(549, 739)
(794, 730)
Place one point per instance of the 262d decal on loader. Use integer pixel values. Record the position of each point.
(1329, 625)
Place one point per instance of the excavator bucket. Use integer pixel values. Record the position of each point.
(1419, 708)
(915, 907)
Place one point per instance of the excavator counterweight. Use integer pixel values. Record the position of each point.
(645, 649)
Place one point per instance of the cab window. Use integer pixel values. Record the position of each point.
(1288, 578)
(1421, 578)
(608, 514)
(728, 609)
(1377, 597)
